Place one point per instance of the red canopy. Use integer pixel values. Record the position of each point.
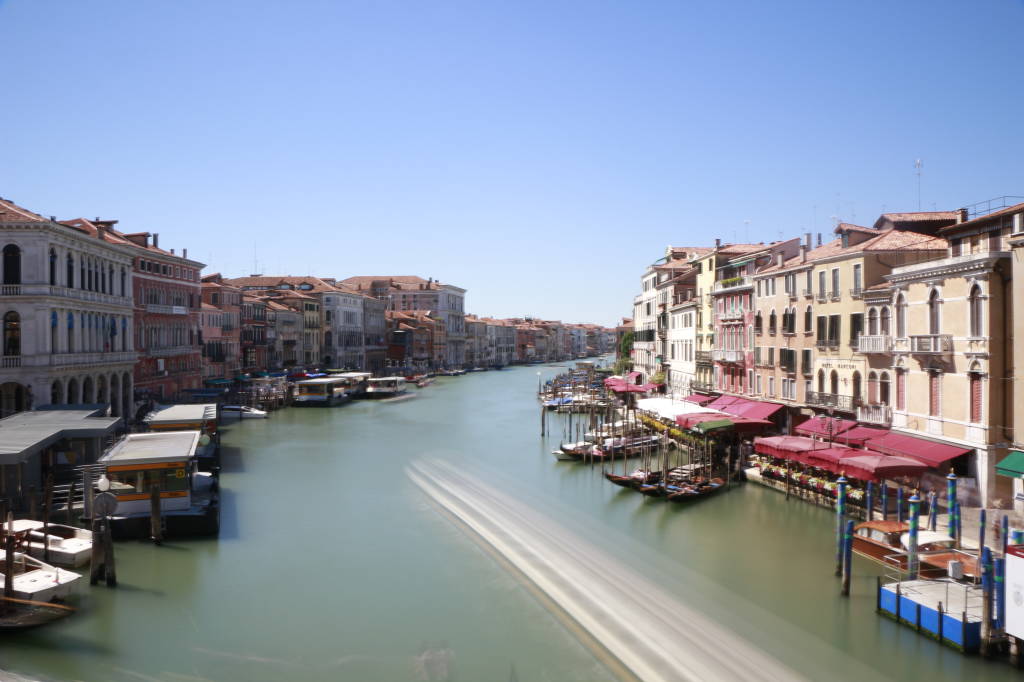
(699, 399)
(623, 387)
(871, 466)
(931, 453)
(722, 401)
(753, 409)
(860, 435)
(818, 426)
(787, 447)
(827, 458)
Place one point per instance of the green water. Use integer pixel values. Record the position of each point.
(333, 565)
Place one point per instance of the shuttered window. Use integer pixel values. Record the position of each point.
(934, 388)
(975, 397)
(901, 389)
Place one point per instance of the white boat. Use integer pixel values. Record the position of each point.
(69, 546)
(385, 387)
(38, 581)
(243, 412)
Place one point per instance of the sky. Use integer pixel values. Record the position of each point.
(538, 153)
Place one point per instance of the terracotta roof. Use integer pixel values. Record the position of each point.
(850, 227)
(1016, 208)
(400, 282)
(921, 216)
(10, 212)
(888, 240)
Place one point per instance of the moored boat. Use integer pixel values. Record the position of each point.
(385, 387)
(689, 492)
(243, 412)
(66, 545)
(36, 580)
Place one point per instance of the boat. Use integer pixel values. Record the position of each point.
(637, 478)
(629, 447)
(36, 580)
(424, 382)
(688, 492)
(21, 614)
(243, 412)
(886, 542)
(68, 546)
(573, 451)
(385, 387)
(322, 391)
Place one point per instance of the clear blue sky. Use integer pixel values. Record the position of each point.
(539, 154)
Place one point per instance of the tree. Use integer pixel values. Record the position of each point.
(626, 346)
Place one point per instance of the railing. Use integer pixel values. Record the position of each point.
(844, 403)
(827, 344)
(9, 361)
(821, 297)
(65, 359)
(731, 315)
(702, 356)
(733, 283)
(875, 414)
(167, 351)
(808, 293)
(926, 344)
(857, 292)
(166, 309)
(835, 296)
(727, 355)
(881, 343)
(10, 290)
(701, 386)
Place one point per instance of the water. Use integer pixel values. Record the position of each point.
(347, 552)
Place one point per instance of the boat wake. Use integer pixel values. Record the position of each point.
(643, 626)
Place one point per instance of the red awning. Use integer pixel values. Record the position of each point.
(699, 399)
(787, 447)
(753, 409)
(817, 426)
(931, 453)
(827, 458)
(722, 401)
(871, 466)
(860, 435)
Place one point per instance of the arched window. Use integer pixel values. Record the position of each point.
(884, 327)
(901, 316)
(975, 379)
(772, 323)
(758, 323)
(833, 382)
(53, 268)
(856, 386)
(808, 320)
(974, 305)
(872, 388)
(12, 264)
(12, 334)
(933, 312)
(873, 322)
(70, 274)
(883, 389)
(821, 381)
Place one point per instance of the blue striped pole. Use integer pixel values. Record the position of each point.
(933, 511)
(869, 501)
(899, 504)
(985, 556)
(1018, 536)
(885, 502)
(981, 528)
(951, 502)
(1006, 532)
(957, 525)
(1000, 574)
(840, 518)
(915, 510)
(847, 557)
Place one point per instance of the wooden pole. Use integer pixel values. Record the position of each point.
(9, 557)
(156, 531)
(96, 560)
(847, 557)
(108, 554)
(70, 516)
(47, 501)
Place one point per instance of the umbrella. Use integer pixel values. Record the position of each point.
(872, 466)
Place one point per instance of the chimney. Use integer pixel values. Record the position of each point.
(819, 239)
(803, 250)
(718, 242)
(184, 253)
(807, 240)
(156, 240)
(961, 216)
(101, 232)
(172, 252)
(779, 259)
(53, 219)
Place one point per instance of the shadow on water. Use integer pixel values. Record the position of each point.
(136, 589)
(231, 461)
(229, 528)
(41, 640)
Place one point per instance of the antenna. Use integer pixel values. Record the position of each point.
(917, 167)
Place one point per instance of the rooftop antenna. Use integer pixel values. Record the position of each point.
(917, 167)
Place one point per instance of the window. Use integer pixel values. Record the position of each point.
(933, 312)
(934, 391)
(821, 284)
(806, 362)
(835, 282)
(771, 386)
(957, 246)
(12, 264)
(833, 382)
(771, 323)
(975, 382)
(12, 334)
(70, 274)
(883, 389)
(834, 329)
(759, 383)
(758, 323)
(856, 387)
(808, 320)
(53, 268)
(901, 316)
(856, 327)
(821, 381)
(857, 278)
(974, 305)
(822, 328)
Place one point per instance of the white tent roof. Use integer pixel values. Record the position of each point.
(668, 408)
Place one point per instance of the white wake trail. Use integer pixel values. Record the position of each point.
(648, 629)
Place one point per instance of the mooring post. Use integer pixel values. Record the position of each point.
(899, 504)
(108, 554)
(912, 558)
(9, 557)
(885, 502)
(986, 602)
(847, 557)
(951, 503)
(958, 521)
(999, 575)
(933, 511)
(869, 501)
(156, 531)
(981, 529)
(840, 521)
(1005, 536)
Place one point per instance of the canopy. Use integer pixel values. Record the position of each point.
(827, 458)
(753, 409)
(787, 447)
(723, 400)
(871, 466)
(1012, 465)
(825, 426)
(931, 453)
(699, 399)
(669, 409)
(714, 425)
(622, 387)
(860, 435)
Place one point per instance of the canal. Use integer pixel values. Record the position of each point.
(334, 564)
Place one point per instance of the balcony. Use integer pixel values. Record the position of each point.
(727, 355)
(734, 283)
(698, 385)
(168, 351)
(62, 292)
(732, 316)
(808, 293)
(166, 309)
(931, 344)
(857, 292)
(9, 361)
(703, 356)
(874, 343)
(843, 403)
(66, 359)
(835, 296)
(875, 414)
(827, 344)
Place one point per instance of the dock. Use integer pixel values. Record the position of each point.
(945, 610)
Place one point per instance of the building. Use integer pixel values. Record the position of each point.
(253, 334)
(225, 351)
(67, 308)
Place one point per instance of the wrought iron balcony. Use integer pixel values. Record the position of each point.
(734, 283)
(166, 309)
(857, 292)
(931, 344)
(843, 403)
(699, 385)
(821, 297)
(880, 343)
(875, 414)
(727, 355)
(732, 315)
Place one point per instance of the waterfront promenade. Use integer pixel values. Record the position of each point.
(332, 564)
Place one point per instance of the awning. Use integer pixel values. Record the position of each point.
(825, 427)
(699, 399)
(713, 425)
(218, 382)
(753, 409)
(860, 435)
(724, 400)
(871, 466)
(931, 453)
(1012, 465)
(827, 458)
(787, 447)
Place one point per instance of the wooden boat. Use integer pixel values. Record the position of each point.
(35, 580)
(877, 539)
(886, 543)
(243, 412)
(637, 478)
(68, 546)
(695, 491)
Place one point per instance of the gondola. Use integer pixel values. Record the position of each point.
(689, 493)
(20, 614)
(635, 479)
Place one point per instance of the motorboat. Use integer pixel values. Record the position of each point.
(66, 545)
(243, 412)
(38, 581)
(385, 387)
